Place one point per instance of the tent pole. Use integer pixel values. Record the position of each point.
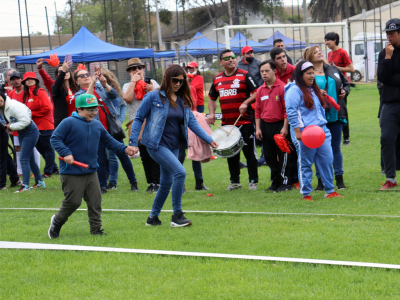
(48, 29)
(72, 18)
(130, 20)
(20, 26)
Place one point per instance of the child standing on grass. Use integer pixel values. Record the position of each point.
(77, 138)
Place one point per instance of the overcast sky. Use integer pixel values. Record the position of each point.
(9, 19)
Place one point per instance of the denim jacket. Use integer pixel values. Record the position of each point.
(120, 109)
(155, 112)
(110, 99)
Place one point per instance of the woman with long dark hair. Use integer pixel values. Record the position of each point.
(305, 106)
(168, 116)
(37, 100)
(331, 81)
(63, 92)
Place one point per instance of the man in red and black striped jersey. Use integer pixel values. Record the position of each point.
(233, 87)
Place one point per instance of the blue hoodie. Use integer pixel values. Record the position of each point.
(76, 136)
(297, 113)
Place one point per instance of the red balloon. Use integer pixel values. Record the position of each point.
(313, 136)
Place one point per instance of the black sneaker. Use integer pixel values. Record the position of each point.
(134, 187)
(111, 186)
(339, 182)
(56, 172)
(271, 188)
(18, 183)
(283, 188)
(150, 188)
(98, 232)
(44, 175)
(320, 186)
(54, 230)
(179, 220)
(200, 185)
(155, 188)
(103, 190)
(155, 221)
(346, 142)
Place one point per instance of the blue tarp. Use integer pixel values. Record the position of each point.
(86, 47)
(289, 43)
(239, 41)
(204, 45)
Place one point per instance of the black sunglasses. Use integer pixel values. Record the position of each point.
(84, 75)
(134, 68)
(176, 81)
(226, 58)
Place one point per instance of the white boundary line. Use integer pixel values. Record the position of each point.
(39, 246)
(213, 212)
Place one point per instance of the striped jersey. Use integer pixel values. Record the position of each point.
(232, 91)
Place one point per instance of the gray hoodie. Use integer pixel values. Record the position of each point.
(252, 69)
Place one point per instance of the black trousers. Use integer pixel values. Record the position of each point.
(249, 151)
(390, 125)
(346, 129)
(6, 163)
(279, 169)
(44, 147)
(150, 166)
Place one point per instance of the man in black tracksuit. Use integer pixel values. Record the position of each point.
(389, 76)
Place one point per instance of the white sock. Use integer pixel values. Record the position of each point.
(391, 180)
(19, 169)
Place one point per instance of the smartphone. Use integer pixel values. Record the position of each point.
(147, 80)
(97, 71)
(69, 57)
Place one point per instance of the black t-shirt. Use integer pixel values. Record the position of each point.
(172, 135)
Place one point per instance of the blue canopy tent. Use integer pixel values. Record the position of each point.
(204, 45)
(86, 47)
(289, 43)
(240, 40)
(172, 55)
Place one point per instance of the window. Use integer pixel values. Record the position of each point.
(359, 49)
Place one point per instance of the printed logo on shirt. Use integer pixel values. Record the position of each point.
(264, 98)
(337, 75)
(30, 100)
(251, 80)
(219, 83)
(239, 74)
(228, 92)
(218, 77)
(236, 83)
(277, 97)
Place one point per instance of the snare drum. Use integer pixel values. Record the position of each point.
(228, 145)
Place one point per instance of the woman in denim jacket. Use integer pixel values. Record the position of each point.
(107, 96)
(168, 116)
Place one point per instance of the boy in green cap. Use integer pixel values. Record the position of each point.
(77, 138)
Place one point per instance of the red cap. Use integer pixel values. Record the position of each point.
(192, 64)
(30, 75)
(246, 49)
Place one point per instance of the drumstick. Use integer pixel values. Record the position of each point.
(234, 124)
(222, 128)
(76, 163)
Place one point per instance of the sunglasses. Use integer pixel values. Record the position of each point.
(226, 58)
(176, 81)
(92, 109)
(250, 52)
(136, 68)
(84, 75)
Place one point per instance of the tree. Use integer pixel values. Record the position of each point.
(90, 13)
(329, 11)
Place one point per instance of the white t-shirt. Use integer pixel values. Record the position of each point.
(134, 106)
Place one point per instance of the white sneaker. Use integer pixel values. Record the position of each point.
(252, 186)
(234, 186)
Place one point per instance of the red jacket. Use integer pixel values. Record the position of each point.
(42, 110)
(287, 75)
(47, 81)
(198, 84)
(270, 102)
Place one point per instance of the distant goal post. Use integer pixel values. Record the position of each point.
(296, 26)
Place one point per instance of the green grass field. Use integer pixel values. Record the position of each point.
(32, 274)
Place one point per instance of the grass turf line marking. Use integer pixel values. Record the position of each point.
(211, 212)
(41, 246)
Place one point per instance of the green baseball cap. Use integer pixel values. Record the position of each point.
(86, 100)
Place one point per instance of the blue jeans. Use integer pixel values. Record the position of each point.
(196, 165)
(28, 138)
(46, 150)
(113, 165)
(172, 174)
(336, 131)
